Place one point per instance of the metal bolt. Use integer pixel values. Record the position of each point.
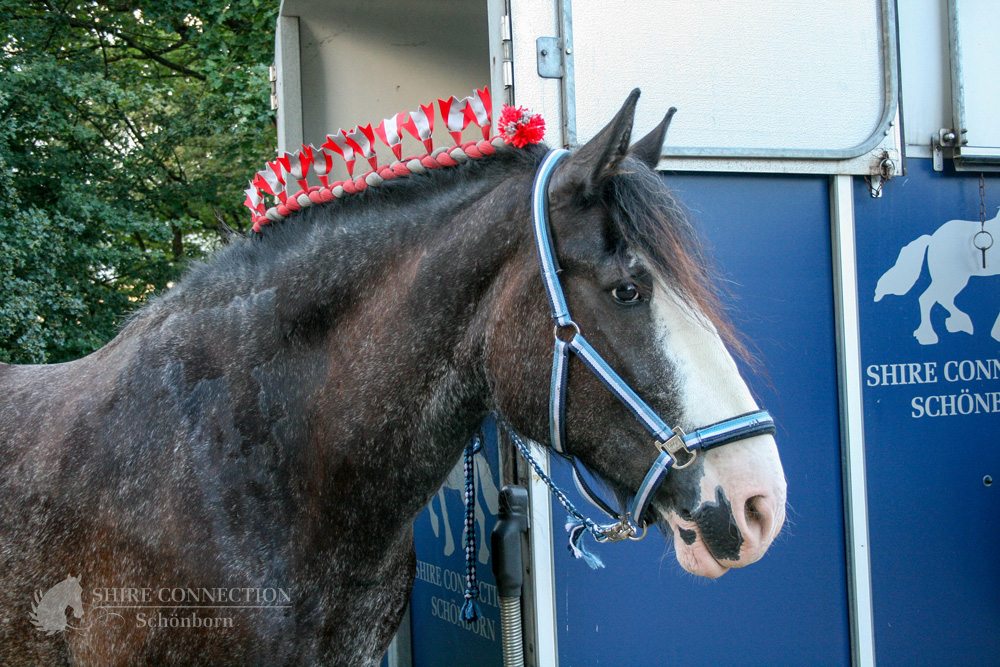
(987, 481)
(949, 137)
(569, 52)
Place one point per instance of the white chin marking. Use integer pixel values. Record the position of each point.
(694, 557)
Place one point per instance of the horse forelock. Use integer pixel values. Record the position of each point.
(652, 224)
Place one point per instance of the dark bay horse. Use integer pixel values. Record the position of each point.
(276, 420)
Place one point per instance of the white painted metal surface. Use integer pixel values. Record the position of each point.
(543, 565)
(852, 420)
(286, 60)
(770, 75)
(363, 61)
(975, 84)
(924, 72)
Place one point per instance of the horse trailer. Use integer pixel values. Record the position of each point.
(840, 161)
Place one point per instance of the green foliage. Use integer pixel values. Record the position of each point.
(128, 131)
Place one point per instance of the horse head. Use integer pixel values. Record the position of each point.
(638, 288)
(74, 593)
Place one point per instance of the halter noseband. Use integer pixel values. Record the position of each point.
(677, 448)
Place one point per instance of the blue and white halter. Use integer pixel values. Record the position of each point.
(677, 449)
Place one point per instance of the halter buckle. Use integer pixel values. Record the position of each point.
(674, 446)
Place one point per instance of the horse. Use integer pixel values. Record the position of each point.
(278, 418)
(952, 259)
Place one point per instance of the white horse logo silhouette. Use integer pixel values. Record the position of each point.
(486, 490)
(951, 260)
(48, 612)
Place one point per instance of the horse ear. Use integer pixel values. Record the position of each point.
(598, 159)
(648, 148)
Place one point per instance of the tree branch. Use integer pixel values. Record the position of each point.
(149, 53)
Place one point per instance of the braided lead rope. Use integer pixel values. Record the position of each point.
(470, 609)
(599, 533)
(441, 157)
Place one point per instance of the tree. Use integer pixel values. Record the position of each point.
(128, 131)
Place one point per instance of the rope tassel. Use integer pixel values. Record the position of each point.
(470, 610)
(577, 530)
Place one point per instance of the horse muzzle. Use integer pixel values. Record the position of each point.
(724, 534)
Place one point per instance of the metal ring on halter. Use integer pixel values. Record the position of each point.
(976, 243)
(641, 537)
(571, 323)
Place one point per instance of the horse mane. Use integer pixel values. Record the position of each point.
(646, 218)
(651, 223)
(354, 228)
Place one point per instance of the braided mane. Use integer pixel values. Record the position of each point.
(441, 157)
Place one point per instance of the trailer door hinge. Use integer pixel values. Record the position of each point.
(508, 59)
(272, 75)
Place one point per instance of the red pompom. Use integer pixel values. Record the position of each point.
(520, 127)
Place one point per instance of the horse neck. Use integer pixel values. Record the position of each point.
(356, 359)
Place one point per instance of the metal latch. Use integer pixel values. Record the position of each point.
(550, 61)
(945, 137)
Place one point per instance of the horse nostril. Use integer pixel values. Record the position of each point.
(758, 517)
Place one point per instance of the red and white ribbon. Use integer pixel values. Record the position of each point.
(322, 164)
(389, 132)
(254, 200)
(271, 180)
(421, 125)
(338, 142)
(479, 110)
(454, 116)
(298, 166)
(361, 139)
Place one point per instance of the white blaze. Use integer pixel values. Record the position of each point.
(710, 390)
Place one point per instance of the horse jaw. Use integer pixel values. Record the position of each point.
(743, 484)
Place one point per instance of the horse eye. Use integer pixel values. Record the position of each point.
(626, 293)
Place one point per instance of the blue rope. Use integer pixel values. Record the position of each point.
(577, 524)
(470, 609)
